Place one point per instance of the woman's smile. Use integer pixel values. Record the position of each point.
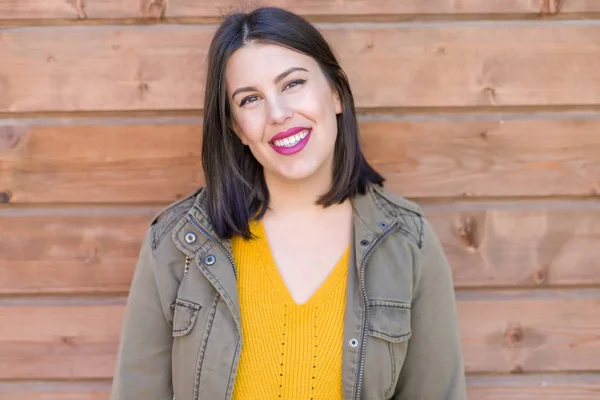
(291, 141)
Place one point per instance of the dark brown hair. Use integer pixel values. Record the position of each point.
(235, 185)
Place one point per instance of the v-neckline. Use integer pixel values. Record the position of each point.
(338, 272)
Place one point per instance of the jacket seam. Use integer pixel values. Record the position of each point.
(377, 200)
(187, 329)
(201, 353)
(188, 304)
(388, 336)
(220, 288)
(390, 304)
(421, 231)
(393, 377)
(172, 217)
(229, 381)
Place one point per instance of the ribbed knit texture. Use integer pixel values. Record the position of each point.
(289, 351)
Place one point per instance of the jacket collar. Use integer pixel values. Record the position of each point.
(372, 216)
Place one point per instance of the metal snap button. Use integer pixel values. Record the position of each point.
(210, 260)
(354, 343)
(190, 237)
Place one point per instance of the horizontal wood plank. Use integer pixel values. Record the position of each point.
(162, 67)
(575, 6)
(55, 390)
(521, 334)
(516, 157)
(537, 246)
(495, 387)
(57, 253)
(59, 341)
(534, 387)
(100, 164)
(95, 250)
(190, 8)
(143, 162)
(98, 9)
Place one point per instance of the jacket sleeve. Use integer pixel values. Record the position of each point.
(433, 368)
(143, 366)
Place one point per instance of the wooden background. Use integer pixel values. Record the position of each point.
(487, 113)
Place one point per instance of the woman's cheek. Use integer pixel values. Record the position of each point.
(253, 125)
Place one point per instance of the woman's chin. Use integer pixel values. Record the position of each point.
(298, 173)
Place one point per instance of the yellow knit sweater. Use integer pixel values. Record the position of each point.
(289, 351)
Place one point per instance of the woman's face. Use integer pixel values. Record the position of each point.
(283, 109)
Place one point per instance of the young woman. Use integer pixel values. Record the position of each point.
(292, 274)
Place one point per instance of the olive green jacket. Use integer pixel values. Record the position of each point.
(181, 335)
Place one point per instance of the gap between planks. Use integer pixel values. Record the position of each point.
(428, 205)
(420, 114)
(433, 18)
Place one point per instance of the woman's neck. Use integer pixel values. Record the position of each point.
(298, 197)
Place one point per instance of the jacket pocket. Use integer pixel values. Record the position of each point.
(184, 317)
(389, 321)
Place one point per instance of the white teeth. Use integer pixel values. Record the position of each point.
(292, 140)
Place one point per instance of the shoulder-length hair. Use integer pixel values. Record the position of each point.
(236, 190)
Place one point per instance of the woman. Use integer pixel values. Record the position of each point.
(292, 274)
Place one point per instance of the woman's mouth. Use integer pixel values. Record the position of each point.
(291, 144)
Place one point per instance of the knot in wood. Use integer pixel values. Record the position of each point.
(155, 9)
(550, 6)
(517, 369)
(514, 334)
(539, 275)
(490, 92)
(69, 341)
(467, 231)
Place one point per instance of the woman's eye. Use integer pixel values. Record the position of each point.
(294, 83)
(249, 99)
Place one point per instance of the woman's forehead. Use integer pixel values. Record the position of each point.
(263, 61)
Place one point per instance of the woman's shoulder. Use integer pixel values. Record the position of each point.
(167, 219)
(411, 219)
(390, 200)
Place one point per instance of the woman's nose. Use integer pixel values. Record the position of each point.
(279, 111)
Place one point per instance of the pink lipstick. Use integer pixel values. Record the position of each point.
(290, 141)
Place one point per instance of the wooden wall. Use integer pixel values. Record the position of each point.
(485, 112)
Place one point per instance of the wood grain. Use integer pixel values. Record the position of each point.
(518, 334)
(521, 335)
(153, 162)
(98, 9)
(66, 390)
(59, 341)
(536, 246)
(310, 8)
(534, 387)
(101, 9)
(103, 163)
(161, 67)
(494, 387)
(94, 250)
(82, 253)
(576, 6)
(515, 157)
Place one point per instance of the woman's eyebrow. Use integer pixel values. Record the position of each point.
(277, 79)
